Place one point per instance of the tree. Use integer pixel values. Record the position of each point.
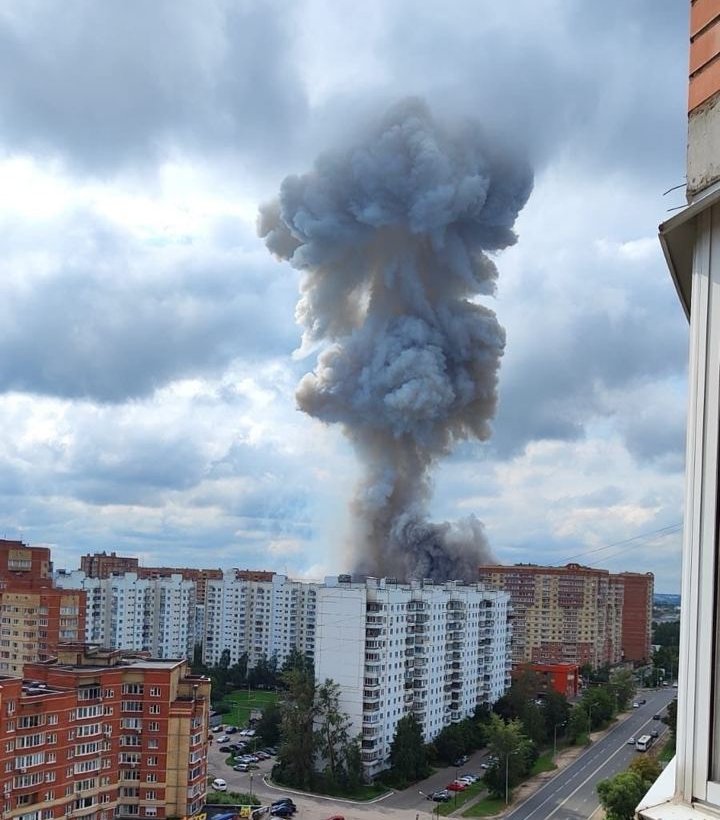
(671, 719)
(556, 712)
(450, 743)
(268, 727)
(513, 750)
(296, 756)
(295, 660)
(331, 733)
(353, 764)
(622, 682)
(577, 725)
(647, 767)
(408, 757)
(620, 795)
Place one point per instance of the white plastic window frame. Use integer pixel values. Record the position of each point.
(698, 733)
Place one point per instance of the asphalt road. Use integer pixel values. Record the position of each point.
(571, 794)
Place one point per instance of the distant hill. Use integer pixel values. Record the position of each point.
(666, 599)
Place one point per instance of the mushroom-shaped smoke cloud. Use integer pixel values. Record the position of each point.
(392, 236)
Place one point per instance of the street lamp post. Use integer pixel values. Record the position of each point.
(507, 775)
(590, 708)
(251, 785)
(555, 728)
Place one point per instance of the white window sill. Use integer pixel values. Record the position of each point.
(658, 803)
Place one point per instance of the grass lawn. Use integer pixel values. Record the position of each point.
(367, 791)
(244, 702)
(486, 807)
(543, 764)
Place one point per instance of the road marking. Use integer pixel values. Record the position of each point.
(587, 779)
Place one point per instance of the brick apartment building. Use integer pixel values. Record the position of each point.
(576, 614)
(102, 565)
(35, 617)
(95, 735)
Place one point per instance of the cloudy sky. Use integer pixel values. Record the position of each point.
(148, 348)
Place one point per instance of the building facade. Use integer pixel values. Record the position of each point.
(35, 616)
(563, 678)
(258, 616)
(434, 650)
(575, 614)
(155, 615)
(95, 735)
(636, 630)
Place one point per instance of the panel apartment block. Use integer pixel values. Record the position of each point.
(437, 651)
(156, 615)
(96, 735)
(258, 618)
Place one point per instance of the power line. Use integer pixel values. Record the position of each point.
(661, 532)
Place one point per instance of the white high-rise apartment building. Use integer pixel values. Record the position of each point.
(437, 650)
(157, 615)
(259, 618)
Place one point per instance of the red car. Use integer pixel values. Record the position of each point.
(457, 786)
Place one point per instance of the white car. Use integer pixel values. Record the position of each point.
(223, 739)
(631, 741)
(219, 785)
(468, 778)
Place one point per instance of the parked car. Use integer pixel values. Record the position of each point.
(217, 728)
(226, 749)
(642, 701)
(218, 785)
(657, 717)
(654, 733)
(631, 741)
(283, 810)
(230, 730)
(461, 761)
(283, 801)
(636, 705)
(223, 739)
(468, 778)
(457, 786)
(440, 796)
(241, 767)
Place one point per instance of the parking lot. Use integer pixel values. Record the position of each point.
(404, 805)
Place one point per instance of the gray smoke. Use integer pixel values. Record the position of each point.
(392, 236)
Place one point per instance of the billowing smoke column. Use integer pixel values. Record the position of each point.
(392, 237)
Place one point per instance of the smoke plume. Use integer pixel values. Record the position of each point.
(392, 236)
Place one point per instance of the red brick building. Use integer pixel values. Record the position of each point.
(575, 614)
(34, 616)
(96, 735)
(637, 615)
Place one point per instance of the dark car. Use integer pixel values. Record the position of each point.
(657, 717)
(642, 702)
(441, 796)
(461, 761)
(230, 730)
(654, 733)
(227, 749)
(283, 809)
(283, 801)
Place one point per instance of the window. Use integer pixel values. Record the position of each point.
(154, 709)
(154, 691)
